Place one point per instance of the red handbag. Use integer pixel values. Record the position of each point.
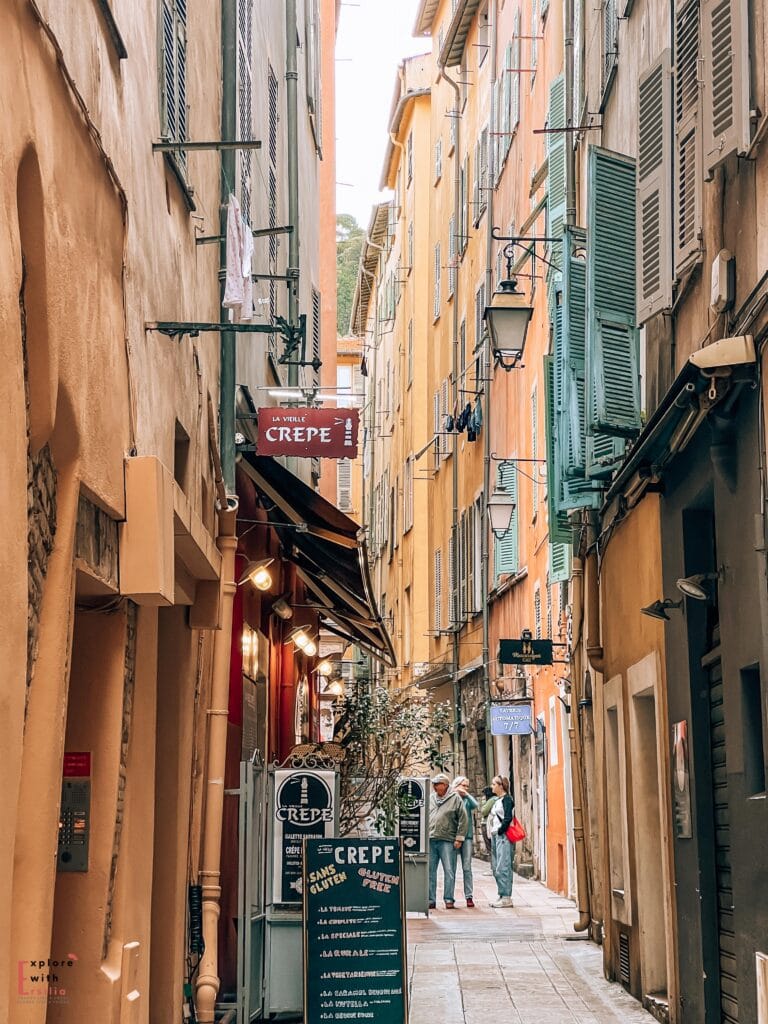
(515, 832)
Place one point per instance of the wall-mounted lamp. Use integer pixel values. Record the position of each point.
(335, 688)
(324, 667)
(303, 640)
(658, 610)
(508, 317)
(691, 586)
(282, 609)
(500, 506)
(258, 574)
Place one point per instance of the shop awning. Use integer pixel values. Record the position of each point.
(329, 552)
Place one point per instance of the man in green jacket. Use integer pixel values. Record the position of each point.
(448, 823)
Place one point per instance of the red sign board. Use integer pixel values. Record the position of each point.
(77, 764)
(308, 433)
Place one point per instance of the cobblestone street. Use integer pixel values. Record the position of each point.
(520, 966)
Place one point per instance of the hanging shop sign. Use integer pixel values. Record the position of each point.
(308, 433)
(411, 826)
(304, 809)
(354, 943)
(511, 719)
(525, 651)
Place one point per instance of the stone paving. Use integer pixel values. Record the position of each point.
(516, 966)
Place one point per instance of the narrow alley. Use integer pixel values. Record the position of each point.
(520, 966)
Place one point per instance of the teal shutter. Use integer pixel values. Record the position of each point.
(556, 165)
(559, 562)
(613, 384)
(577, 450)
(559, 531)
(507, 549)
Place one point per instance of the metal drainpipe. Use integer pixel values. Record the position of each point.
(455, 376)
(594, 643)
(487, 372)
(228, 344)
(292, 137)
(579, 810)
(207, 982)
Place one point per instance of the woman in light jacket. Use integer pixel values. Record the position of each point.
(461, 786)
(499, 820)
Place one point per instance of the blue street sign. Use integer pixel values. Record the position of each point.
(511, 719)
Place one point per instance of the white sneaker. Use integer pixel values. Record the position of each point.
(503, 901)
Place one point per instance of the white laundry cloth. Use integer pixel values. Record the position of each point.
(246, 309)
(233, 284)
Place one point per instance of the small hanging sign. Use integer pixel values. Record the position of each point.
(308, 433)
(525, 651)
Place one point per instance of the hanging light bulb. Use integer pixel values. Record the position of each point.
(310, 649)
(258, 574)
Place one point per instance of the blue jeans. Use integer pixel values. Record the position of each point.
(442, 851)
(466, 866)
(502, 868)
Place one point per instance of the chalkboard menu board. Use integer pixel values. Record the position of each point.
(354, 931)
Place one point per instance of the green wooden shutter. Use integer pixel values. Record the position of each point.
(559, 531)
(506, 547)
(559, 562)
(556, 165)
(688, 157)
(613, 384)
(174, 74)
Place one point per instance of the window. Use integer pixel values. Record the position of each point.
(244, 101)
(451, 256)
(514, 112)
(410, 247)
(272, 98)
(688, 155)
(407, 626)
(436, 294)
(482, 35)
(464, 205)
(725, 51)
(613, 379)
(506, 547)
(438, 160)
(578, 61)
(483, 177)
(553, 745)
(174, 75)
(463, 351)
(534, 39)
(409, 355)
(453, 118)
(479, 315)
(408, 494)
(549, 608)
(535, 448)
(610, 27)
(537, 611)
(344, 394)
(409, 158)
(438, 590)
(344, 485)
(313, 79)
(654, 257)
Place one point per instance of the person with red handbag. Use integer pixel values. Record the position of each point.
(500, 818)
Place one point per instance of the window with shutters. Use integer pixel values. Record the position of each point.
(556, 142)
(535, 450)
(559, 562)
(537, 610)
(409, 355)
(437, 427)
(410, 247)
(506, 547)
(476, 185)
(464, 204)
(453, 117)
(548, 634)
(477, 603)
(610, 34)
(272, 197)
(408, 494)
(504, 120)
(557, 520)
(436, 293)
(344, 485)
(392, 521)
(409, 158)
(613, 376)
(471, 563)
(452, 257)
(726, 74)
(514, 109)
(482, 175)
(245, 101)
(578, 62)
(452, 590)
(688, 157)
(438, 160)
(482, 34)
(534, 39)
(438, 591)
(553, 745)
(407, 626)
(173, 81)
(444, 409)
(654, 206)
(479, 315)
(313, 78)
(463, 352)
